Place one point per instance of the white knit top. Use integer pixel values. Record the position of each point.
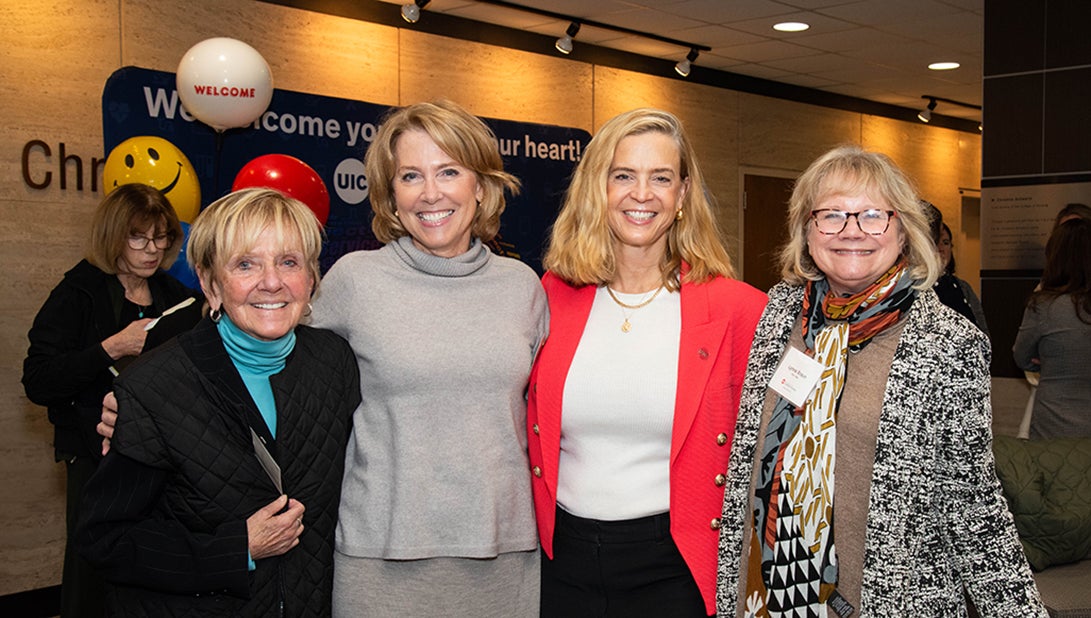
(618, 410)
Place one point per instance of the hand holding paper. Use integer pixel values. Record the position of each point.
(270, 534)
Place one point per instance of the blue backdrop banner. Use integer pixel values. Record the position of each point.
(331, 135)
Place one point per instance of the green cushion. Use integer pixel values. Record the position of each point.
(1048, 487)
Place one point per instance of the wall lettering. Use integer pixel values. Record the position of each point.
(38, 166)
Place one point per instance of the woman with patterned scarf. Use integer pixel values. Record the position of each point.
(861, 478)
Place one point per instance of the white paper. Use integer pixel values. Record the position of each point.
(266, 459)
(182, 305)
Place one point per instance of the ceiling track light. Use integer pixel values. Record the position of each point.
(411, 11)
(564, 44)
(925, 115)
(685, 66)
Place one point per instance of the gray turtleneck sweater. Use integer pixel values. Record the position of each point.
(436, 463)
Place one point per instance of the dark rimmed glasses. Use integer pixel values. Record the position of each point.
(137, 242)
(871, 221)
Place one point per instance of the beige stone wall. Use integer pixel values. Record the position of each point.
(55, 57)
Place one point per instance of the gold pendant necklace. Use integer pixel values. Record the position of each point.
(627, 326)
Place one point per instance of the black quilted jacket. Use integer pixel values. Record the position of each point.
(165, 515)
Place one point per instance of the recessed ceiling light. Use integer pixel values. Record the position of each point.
(791, 26)
(943, 66)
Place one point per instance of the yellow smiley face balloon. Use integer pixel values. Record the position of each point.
(155, 161)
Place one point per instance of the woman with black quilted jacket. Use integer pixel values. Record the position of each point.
(219, 494)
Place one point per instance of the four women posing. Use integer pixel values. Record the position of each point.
(633, 403)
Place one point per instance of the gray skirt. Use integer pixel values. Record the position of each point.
(503, 587)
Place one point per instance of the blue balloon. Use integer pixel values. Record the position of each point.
(180, 269)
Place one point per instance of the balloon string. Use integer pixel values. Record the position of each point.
(219, 160)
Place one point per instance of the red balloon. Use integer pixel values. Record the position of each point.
(290, 176)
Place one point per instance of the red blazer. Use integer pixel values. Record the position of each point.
(718, 322)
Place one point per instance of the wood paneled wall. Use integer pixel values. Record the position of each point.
(57, 55)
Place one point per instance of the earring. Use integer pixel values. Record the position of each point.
(678, 215)
(215, 315)
(310, 309)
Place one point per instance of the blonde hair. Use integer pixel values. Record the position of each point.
(852, 170)
(460, 134)
(128, 210)
(231, 225)
(581, 245)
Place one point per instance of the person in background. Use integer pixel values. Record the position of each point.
(1074, 210)
(218, 496)
(1055, 336)
(935, 220)
(954, 292)
(436, 516)
(93, 322)
(1070, 211)
(633, 398)
(861, 479)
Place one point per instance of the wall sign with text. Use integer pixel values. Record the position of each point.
(1016, 222)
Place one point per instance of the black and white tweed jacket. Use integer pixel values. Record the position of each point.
(937, 520)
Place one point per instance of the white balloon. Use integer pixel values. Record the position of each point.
(224, 83)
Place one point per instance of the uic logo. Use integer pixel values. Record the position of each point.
(349, 181)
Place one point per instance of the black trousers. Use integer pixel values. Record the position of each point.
(628, 568)
(82, 588)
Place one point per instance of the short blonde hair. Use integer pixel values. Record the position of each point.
(851, 170)
(231, 225)
(127, 210)
(581, 245)
(460, 134)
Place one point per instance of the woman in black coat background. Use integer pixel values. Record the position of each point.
(92, 324)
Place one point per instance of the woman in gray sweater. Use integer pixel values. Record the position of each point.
(436, 514)
(1055, 337)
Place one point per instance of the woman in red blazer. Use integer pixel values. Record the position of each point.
(634, 395)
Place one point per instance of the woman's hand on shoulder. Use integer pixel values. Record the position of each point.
(129, 341)
(273, 534)
(107, 420)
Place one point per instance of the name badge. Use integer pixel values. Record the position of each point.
(796, 377)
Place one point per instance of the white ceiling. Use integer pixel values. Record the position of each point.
(877, 50)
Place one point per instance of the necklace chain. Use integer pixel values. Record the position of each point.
(641, 304)
(626, 326)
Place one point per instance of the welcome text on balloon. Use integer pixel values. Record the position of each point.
(216, 91)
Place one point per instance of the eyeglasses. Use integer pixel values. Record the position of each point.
(871, 221)
(138, 242)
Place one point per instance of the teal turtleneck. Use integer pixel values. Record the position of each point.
(256, 360)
